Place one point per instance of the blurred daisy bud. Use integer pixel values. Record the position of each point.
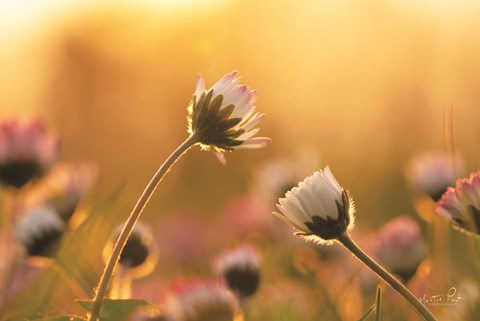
(432, 173)
(40, 231)
(223, 118)
(400, 247)
(137, 257)
(65, 187)
(136, 260)
(240, 268)
(319, 208)
(27, 151)
(276, 176)
(200, 300)
(461, 205)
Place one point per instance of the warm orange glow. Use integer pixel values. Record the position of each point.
(361, 85)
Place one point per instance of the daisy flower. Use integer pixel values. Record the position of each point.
(240, 268)
(27, 151)
(319, 208)
(461, 205)
(223, 117)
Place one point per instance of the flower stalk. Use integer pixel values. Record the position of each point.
(132, 219)
(222, 118)
(350, 245)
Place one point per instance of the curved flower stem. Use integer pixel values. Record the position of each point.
(130, 223)
(350, 245)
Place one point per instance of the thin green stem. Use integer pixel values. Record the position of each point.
(130, 223)
(350, 245)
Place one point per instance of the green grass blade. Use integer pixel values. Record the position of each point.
(378, 297)
(368, 313)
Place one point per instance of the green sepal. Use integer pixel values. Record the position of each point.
(226, 111)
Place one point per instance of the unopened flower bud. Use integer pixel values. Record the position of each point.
(319, 208)
(136, 258)
(432, 173)
(400, 247)
(200, 300)
(40, 231)
(240, 268)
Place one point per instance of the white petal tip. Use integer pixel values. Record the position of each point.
(221, 158)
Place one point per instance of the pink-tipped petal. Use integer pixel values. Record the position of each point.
(200, 86)
(243, 100)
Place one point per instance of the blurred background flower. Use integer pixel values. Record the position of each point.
(65, 189)
(40, 231)
(198, 300)
(331, 66)
(460, 205)
(28, 149)
(138, 259)
(431, 173)
(400, 246)
(240, 270)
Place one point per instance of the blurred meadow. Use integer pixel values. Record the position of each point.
(361, 86)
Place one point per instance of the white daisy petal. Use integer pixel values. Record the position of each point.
(200, 87)
(254, 143)
(243, 100)
(314, 203)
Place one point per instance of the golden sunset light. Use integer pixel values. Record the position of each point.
(206, 143)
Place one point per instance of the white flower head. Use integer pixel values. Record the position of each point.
(223, 117)
(461, 205)
(319, 208)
